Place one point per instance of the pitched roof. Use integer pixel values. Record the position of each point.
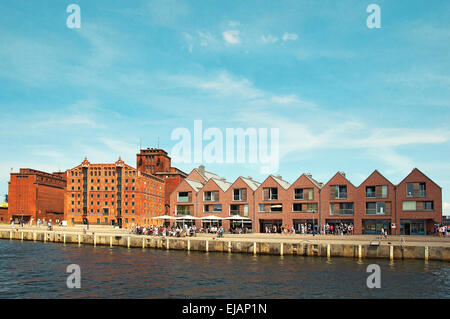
(222, 183)
(416, 169)
(251, 183)
(316, 183)
(207, 175)
(282, 182)
(194, 184)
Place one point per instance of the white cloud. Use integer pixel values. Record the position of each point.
(231, 36)
(290, 36)
(269, 39)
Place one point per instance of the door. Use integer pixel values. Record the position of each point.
(407, 228)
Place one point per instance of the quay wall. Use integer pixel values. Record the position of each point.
(325, 249)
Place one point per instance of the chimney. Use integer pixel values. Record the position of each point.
(201, 169)
(342, 173)
(279, 176)
(250, 178)
(309, 175)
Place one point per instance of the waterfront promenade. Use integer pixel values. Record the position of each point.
(419, 241)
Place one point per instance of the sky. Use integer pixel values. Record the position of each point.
(343, 96)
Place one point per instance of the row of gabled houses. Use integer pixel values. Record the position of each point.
(411, 207)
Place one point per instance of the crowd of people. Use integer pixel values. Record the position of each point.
(440, 230)
(310, 228)
(176, 230)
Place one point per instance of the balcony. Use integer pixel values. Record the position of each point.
(374, 212)
(370, 194)
(343, 212)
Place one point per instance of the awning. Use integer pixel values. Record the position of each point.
(164, 217)
(211, 217)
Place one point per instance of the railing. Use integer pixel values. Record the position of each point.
(341, 195)
(373, 211)
(371, 194)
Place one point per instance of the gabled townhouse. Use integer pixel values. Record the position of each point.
(338, 197)
(375, 205)
(183, 200)
(271, 204)
(211, 200)
(303, 202)
(239, 200)
(419, 204)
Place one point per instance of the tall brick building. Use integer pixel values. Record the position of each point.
(411, 208)
(36, 195)
(113, 194)
(156, 161)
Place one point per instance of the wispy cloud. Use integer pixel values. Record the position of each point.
(231, 36)
(289, 36)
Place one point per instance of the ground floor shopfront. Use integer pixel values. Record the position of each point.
(413, 227)
(374, 226)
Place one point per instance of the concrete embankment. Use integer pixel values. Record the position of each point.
(258, 246)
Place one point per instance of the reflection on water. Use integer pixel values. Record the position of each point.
(37, 270)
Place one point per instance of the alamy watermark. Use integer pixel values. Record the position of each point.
(74, 279)
(235, 145)
(374, 279)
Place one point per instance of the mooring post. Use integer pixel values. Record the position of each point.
(45, 237)
(359, 251)
(328, 250)
(281, 249)
(168, 244)
(229, 246)
(95, 240)
(391, 252)
(64, 236)
(207, 244)
(254, 248)
(143, 242)
(189, 245)
(79, 239)
(21, 236)
(426, 253)
(110, 241)
(10, 234)
(128, 241)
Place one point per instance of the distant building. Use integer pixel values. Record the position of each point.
(113, 194)
(36, 195)
(157, 162)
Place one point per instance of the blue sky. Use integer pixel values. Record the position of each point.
(345, 97)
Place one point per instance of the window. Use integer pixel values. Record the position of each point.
(298, 193)
(416, 190)
(183, 210)
(270, 193)
(297, 207)
(340, 191)
(376, 208)
(209, 196)
(428, 205)
(346, 208)
(184, 196)
(384, 191)
(240, 194)
(370, 192)
(409, 206)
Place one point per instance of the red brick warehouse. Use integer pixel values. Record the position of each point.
(113, 194)
(35, 195)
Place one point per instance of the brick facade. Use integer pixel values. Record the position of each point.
(376, 203)
(113, 194)
(34, 195)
